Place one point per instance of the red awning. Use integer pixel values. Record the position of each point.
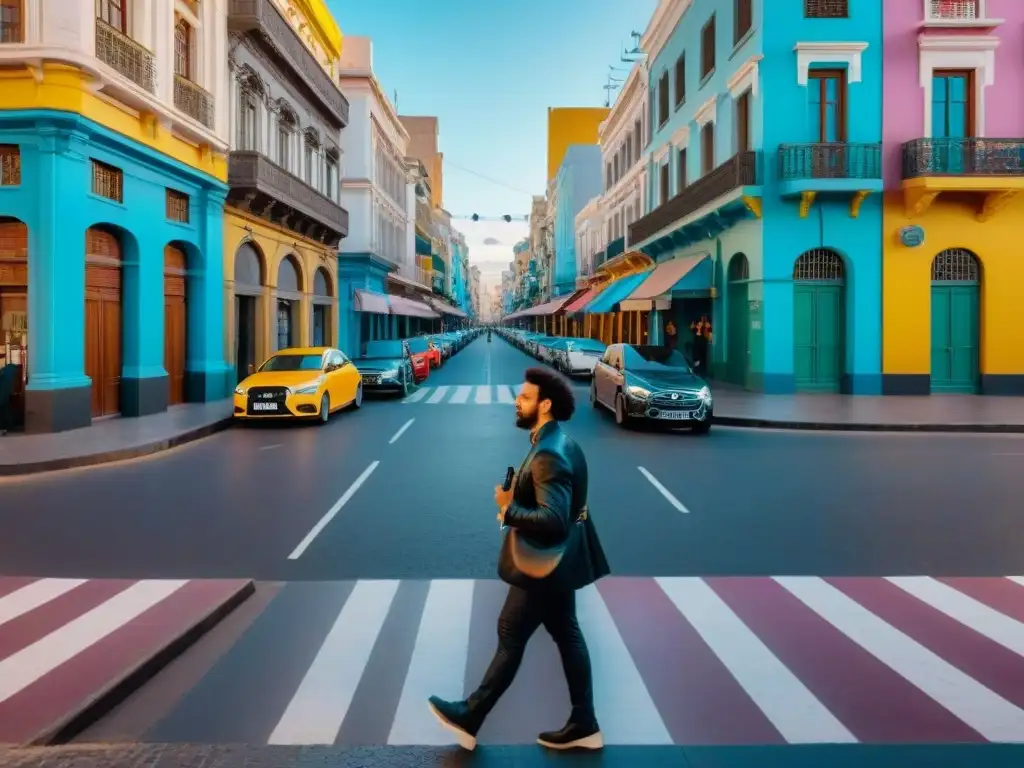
(410, 308)
(369, 301)
(578, 303)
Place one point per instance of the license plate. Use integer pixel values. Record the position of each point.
(674, 415)
(265, 407)
(371, 379)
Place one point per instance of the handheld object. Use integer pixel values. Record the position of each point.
(510, 474)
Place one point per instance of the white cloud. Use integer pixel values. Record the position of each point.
(490, 243)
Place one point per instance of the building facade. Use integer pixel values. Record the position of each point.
(112, 184)
(952, 272)
(577, 182)
(284, 219)
(568, 126)
(590, 238)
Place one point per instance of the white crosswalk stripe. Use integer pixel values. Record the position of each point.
(465, 394)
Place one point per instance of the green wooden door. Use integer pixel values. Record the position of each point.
(738, 330)
(818, 325)
(955, 347)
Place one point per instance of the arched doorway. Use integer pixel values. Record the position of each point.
(249, 282)
(13, 321)
(322, 301)
(175, 322)
(738, 321)
(819, 320)
(956, 349)
(289, 298)
(103, 259)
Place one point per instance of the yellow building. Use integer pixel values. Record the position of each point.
(283, 220)
(571, 125)
(953, 301)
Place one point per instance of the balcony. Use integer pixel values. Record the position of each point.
(265, 189)
(958, 14)
(124, 55)
(711, 203)
(261, 20)
(833, 168)
(992, 169)
(193, 101)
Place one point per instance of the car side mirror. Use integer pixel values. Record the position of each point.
(252, 369)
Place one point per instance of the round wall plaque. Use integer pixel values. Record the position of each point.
(912, 236)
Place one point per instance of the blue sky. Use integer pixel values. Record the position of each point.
(489, 71)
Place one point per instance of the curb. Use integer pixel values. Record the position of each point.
(117, 454)
(822, 426)
(107, 700)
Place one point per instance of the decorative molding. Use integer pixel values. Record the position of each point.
(629, 101)
(659, 156)
(973, 52)
(681, 138)
(708, 112)
(745, 78)
(829, 53)
(662, 26)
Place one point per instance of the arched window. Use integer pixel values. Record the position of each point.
(955, 265)
(819, 264)
(183, 49)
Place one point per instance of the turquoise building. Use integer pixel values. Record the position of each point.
(577, 182)
(125, 283)
(764, 217)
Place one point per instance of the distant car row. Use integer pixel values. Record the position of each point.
(636, 382)
(314, 382)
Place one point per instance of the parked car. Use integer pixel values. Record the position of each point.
(386, 366)
(442, 343)
(641, 382)
(301, 383)
(578, 356)
(419, 350)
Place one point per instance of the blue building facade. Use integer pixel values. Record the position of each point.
(752, 115)
(578, 181)
(102, 255)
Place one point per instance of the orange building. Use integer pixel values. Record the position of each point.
(571, 125)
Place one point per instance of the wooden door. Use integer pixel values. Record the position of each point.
(103, 321)
(955, 348)
(818, 311)
(175, 323)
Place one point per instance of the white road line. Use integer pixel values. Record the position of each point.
(21, 669)
(401, 431)
(505, 394)
(438, 664)
(318, 708)
(972, 613)
(31, 596)
(461, 395)
(988, 713)
(332, 512)
(787, 703)
(1017, 579)
(664, 491)
(438, 395)
(483, 395)
(270, 447)
(418, 395)
(628, 714)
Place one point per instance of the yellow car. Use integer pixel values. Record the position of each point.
(304, 383)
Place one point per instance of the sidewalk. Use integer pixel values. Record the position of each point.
(113, 439)
(866, 413)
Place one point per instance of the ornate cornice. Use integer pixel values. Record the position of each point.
(663, 23)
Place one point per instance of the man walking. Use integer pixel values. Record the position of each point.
(546, 512)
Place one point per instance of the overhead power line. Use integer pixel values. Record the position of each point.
(488, 179)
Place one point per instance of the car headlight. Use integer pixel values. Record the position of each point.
(391, 373)
(638, 392)
(240, 390)
(705, 395)
(308, 389)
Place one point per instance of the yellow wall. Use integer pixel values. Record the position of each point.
(571, 125)
(274, 243)
(906, 280)
(66, 88)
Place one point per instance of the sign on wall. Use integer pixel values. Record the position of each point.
(912, 236)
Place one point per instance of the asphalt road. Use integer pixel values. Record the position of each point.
(411, 488)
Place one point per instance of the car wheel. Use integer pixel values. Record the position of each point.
(325, 408)
(358, 402)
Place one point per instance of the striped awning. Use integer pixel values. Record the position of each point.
(616, 291)
(687, 273)
(370, 301)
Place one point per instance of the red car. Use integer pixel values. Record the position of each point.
(422, 356)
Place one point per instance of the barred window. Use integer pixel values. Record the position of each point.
(107, 181)
(10, 165)
(177, 206)
(826, 9)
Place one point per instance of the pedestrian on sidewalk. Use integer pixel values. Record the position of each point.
(550, 550)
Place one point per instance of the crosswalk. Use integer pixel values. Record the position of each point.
(677, 660)
(465, 394)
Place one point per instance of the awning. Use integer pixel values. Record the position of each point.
(549, 307)
(587, 296)
(689, 273)
(410, 308)
(616, 291)
(445, 309)
(422, 246)
(369, 301)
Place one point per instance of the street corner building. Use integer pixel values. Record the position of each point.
(283, 221)
(953, 213)
(112, 185)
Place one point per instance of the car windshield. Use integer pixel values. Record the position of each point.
(418, 345)
(646, 357)
(384, 349)
(288, 362)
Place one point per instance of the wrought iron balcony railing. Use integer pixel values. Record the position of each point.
(117, 50)
(963, 157)
(740, 170)
(193, 101)
(832, 160)
(953, 10)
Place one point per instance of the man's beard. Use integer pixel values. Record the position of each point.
(526, 420)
